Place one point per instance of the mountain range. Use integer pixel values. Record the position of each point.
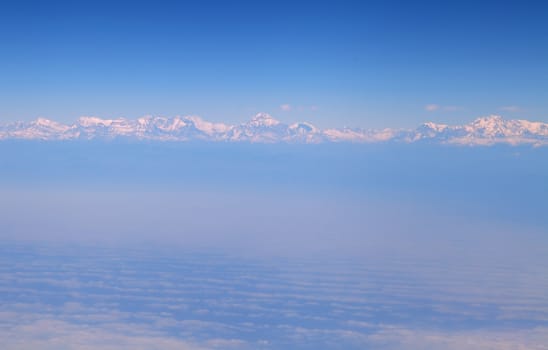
(263, 128)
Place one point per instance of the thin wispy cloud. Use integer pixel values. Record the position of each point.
(431, 107)
(435, 107)
(308, 108)
(286, 107)
(511, 109)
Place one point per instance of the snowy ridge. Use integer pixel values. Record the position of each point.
(263, 128)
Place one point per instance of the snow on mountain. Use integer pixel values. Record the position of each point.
(263, 120)
(206, 127)
(92, 128)
(40, 129)
(304, 132)
(486, 131)
(361, 135)
(263, 128)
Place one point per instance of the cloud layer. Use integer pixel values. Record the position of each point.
(120, 298)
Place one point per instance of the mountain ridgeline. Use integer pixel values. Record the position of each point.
(263, 128)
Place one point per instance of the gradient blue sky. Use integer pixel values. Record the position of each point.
(336, 63)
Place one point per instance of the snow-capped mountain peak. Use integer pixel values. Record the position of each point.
(491, 125)
(434, 126)
(49, 124)
(93, 121)
(303, 127)
(207, 127)
(43, 121)
(264, 120)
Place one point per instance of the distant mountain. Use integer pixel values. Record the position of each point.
(263, 128)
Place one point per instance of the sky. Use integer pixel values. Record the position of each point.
(334, 63)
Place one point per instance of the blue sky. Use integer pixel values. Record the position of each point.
(356, 63)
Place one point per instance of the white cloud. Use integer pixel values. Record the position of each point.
(286, 107)
(55, 334)
(431, 107)
(394, 338)
(435, 107)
